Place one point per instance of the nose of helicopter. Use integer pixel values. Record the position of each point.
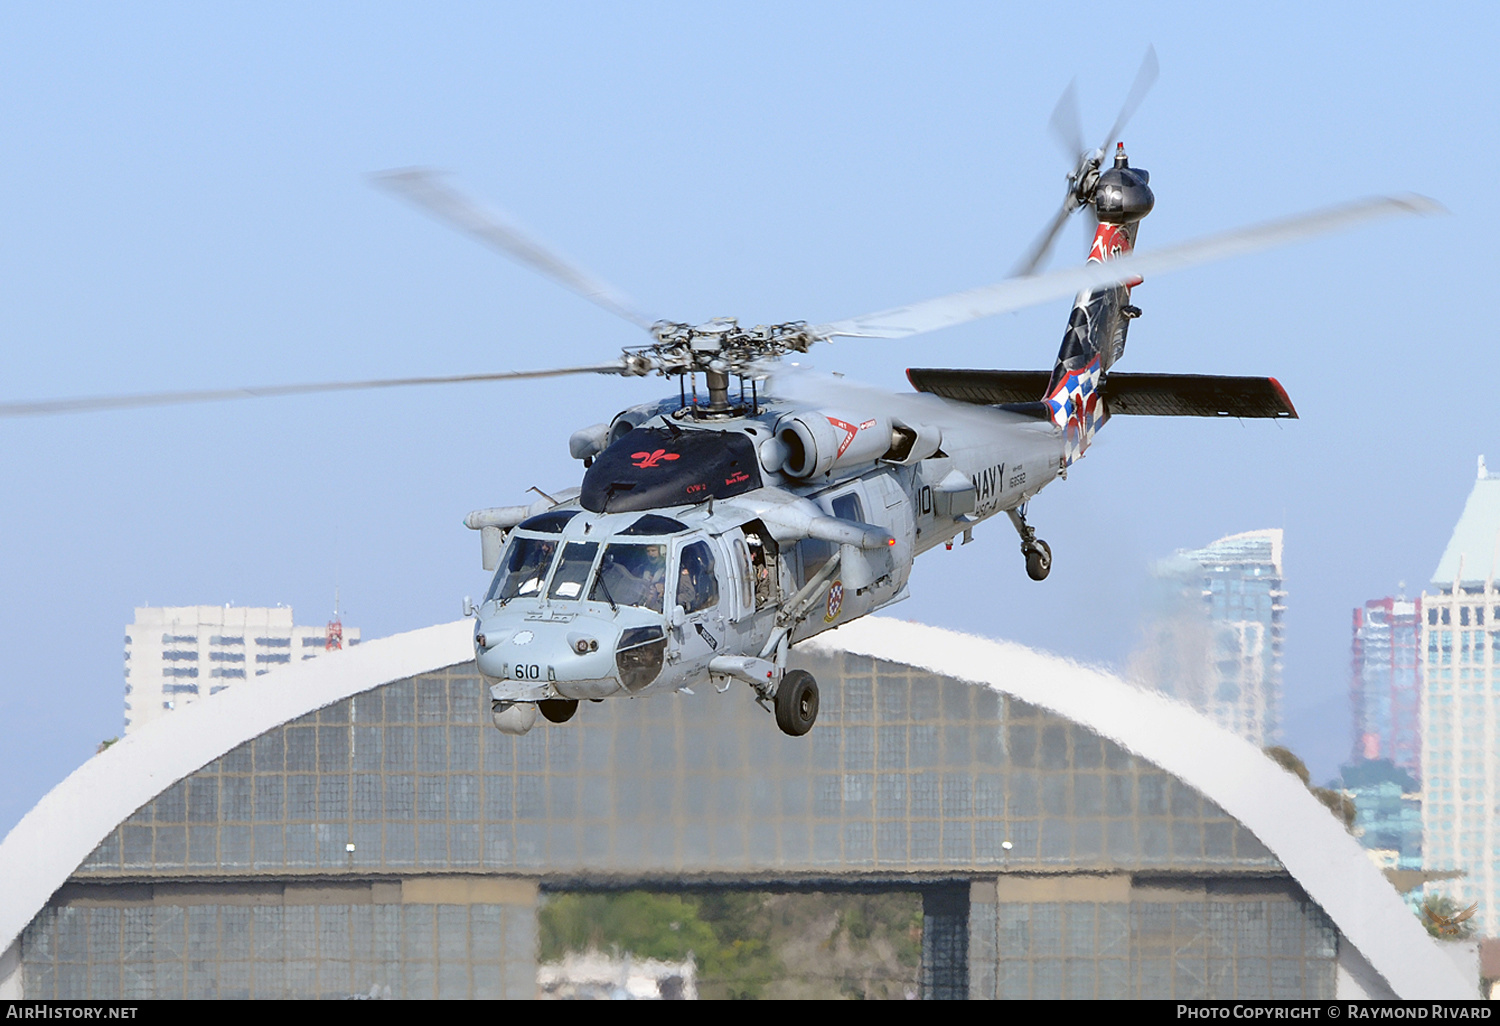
(576, 656)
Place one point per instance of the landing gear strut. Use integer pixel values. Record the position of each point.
(1037, 552)
(796, 702)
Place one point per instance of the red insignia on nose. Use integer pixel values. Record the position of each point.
(653, 459)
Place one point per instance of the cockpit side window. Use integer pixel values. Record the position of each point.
(697, 583)
(573, 570)
(523, 569)
(632, 575)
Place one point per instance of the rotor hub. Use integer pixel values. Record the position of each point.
(719, 348)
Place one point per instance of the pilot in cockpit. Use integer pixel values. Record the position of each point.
(528, 566)
(634, 575)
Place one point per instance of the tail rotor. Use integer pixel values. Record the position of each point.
(1083, 179)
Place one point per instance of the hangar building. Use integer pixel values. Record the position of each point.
(355, 823)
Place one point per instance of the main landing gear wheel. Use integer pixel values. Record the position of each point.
(796, 703)
(1037, 552)
(558, 710)
(1038, 560)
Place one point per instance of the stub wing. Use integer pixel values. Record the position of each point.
(1154, 395)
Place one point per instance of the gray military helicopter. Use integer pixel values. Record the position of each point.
(713, 531)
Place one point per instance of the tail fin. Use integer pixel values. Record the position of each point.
(1101, 316)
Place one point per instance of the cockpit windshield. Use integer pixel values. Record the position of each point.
(632, 575)
(523, 570)
(573, 570)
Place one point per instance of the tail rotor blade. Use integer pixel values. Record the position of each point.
(1067, 124)
(93, 404)
(424, 189)
(1036, 255)
(1066, 127)
(1145, 78)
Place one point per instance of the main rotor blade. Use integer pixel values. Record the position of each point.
(128, 402)
(423, 188)
(1145, 78)
(1019, 293)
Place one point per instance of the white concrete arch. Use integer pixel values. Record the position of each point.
(63, 829)
(1313, 846)
(54, 838)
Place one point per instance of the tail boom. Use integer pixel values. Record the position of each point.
(1101, 316)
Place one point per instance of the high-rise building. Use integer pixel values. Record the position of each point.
(1461, 707)
(1215, 640)
(1387, 811)
(1386, 683)
(177, 655)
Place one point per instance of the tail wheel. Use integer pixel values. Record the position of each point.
(558, 710)
(1038, 561)
(796, 703)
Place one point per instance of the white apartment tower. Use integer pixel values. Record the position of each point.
(177, 655)
(1461, 707)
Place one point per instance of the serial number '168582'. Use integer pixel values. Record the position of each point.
(526, 671)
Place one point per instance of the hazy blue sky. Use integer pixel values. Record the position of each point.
(184, 204)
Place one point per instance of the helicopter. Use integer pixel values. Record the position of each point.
(711, 532)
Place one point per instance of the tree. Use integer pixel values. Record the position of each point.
(724, 932)
(664, 926)
(1338, 803)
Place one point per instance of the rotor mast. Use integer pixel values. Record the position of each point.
(720, 349)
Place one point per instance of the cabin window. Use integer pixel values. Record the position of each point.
(765, 564)
(697, 583)
(743, 574)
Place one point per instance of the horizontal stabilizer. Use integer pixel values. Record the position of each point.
(1196, 395)
(985, 387)
(1155, 395)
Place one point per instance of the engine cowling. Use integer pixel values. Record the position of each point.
(818, 441)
